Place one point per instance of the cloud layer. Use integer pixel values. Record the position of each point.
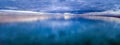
(61, 6)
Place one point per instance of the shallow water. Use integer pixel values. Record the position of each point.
(60, 32)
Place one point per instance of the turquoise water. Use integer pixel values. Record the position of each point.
(60, 32)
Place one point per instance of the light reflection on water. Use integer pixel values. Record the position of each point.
(60, 32)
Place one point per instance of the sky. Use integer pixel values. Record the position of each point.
(60, 6)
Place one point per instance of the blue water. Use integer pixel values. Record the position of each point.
(60, 32)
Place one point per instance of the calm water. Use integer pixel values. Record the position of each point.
(60, 32)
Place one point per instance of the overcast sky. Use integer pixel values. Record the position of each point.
(60, 5)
